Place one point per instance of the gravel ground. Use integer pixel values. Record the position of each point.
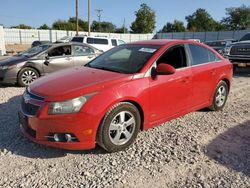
(202, 149)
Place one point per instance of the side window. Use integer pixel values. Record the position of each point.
(212, 56)
(121, 42)
(60, 51)
(114, 43)
(90, 40)
(77, 39)
(100, 41)
(174, 56)
(82, 50)
(199, 54)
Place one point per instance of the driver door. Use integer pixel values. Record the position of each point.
(58, 58)
(170, 95)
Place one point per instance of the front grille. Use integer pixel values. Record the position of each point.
(240, 50)
(29, 109)
(27, 103)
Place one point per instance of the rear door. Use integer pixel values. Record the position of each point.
(59, 58)
(82, 54)
(203, 67)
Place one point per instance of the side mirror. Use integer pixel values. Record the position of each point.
(165, 69)
(46, 62)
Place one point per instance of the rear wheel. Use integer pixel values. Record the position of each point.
(220, 96)
(119, 127)
(26, 76)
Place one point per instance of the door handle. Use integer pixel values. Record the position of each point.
(183, 79)
(68, 58)
(213, 71)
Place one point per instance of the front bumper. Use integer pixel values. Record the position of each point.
(8, 76)
(38, 128)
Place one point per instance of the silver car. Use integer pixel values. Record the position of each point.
(29, 65)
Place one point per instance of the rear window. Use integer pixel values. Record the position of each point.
(77, 39)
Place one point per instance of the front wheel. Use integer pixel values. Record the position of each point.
(220, 96)
(26, 76)
(119, 127)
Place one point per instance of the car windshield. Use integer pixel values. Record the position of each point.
(127, 59)
(35, 50)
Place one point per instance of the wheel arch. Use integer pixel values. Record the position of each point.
(29, 66)
(227, 82)
(139, 108)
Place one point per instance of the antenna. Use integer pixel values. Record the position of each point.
(99, 15)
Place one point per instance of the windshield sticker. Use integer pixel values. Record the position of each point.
(148, 50)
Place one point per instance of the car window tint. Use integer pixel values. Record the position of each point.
(174, 56)
(199, 54)
(114, 43)
(60, 51)
(90, 40)
(82, 50)
(77, 39)
(100, 41)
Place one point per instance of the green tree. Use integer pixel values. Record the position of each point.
(237, 18)
(44, 26)
(63, 25)
(121, 30)
(145, 20)
(201, 20)
(176, 26)
(83, 25)
(106, 27)
(22, 26)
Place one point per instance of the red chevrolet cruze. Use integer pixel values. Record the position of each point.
(130, 88)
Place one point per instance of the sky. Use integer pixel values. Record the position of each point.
(38, 12)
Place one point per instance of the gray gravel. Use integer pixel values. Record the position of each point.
(202, 149)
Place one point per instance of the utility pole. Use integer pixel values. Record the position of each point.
(124, 21)
(77, 26)
(99, 15)
(89, 7)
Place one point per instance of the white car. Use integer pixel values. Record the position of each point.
(101, 43)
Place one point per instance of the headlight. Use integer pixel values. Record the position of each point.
(5, 67)
(227, 50)
(70, 106)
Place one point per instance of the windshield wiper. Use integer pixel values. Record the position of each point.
(108, 69)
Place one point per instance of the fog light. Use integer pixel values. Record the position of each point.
(68, 137)
(56, 137)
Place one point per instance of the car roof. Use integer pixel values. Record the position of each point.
(161, 42)
(72, 43)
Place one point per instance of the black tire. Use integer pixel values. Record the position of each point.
(106, 138)
(219, 103)
(29, 73)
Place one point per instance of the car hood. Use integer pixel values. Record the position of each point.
(13, 60)
(75, 82)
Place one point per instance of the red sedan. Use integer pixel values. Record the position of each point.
(130, 88)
